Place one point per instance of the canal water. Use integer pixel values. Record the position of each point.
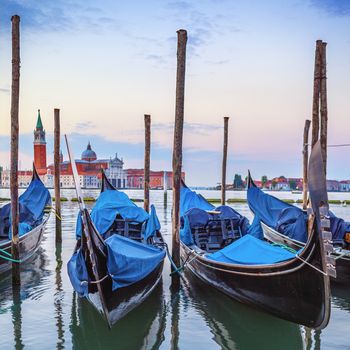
(49, 315)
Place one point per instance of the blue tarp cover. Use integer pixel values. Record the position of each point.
(190, 199)
(130, 261)
(31, 209)
(109, 204)
(283, 217)
(193, 210)
(77, 273)
(153, 224)
(255, 228)
(249, 250)
(289, 219)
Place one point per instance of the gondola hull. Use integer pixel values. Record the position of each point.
(28, 245)
(291, 290)
(123, 300)
(343, 262)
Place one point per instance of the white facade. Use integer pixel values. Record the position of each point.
(24, 178)
(115, 173)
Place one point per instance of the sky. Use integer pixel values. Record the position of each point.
(107, 63)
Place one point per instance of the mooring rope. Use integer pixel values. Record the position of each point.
(53, 210)
(314, 267)
(8, 257)
(94, 282)
(283, 246)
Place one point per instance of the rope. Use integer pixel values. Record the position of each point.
(53, 210)
(8, 258)
(5, 252)
(314, 267)
(94, 282)
(283, 246)
(340, 145)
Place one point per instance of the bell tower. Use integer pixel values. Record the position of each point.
(39, 146)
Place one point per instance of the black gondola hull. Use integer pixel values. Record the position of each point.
(123, 300)
(342, 262)
(28, 245)
(292, 291)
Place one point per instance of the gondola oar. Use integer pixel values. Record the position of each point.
(84, 215)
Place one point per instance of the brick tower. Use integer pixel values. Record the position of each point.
(40, 147)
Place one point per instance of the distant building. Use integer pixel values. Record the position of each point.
(333, 186)
(344, 186)
(40, 147)
(157, 178)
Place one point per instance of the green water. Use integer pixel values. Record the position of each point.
(47, 314)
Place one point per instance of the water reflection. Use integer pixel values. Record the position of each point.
(141, 329)
(17, 318)
(341, 297)
(236, 326)
(34, 278)
(58, 297)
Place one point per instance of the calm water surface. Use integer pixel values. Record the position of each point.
(47, 314)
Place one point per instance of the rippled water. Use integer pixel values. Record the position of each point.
(47, 314)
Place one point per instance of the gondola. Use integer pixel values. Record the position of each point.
(33, 216)
(285, 223)
(292, 286)
(119, 255)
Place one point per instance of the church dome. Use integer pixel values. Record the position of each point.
(88, 154)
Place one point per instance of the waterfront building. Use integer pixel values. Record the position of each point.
(157, 178)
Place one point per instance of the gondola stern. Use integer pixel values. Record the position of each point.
(250, 182)
(105, 183)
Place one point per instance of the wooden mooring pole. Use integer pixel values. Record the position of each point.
(305, 161)
(224, 163)
(57, 161)
(16, 280)
(146, 175)
(323, 106)
(316, 94)
(165, 188)
(177, 148)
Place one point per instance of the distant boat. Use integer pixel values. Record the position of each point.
(218, 247)
(119, 255)
(33, 217)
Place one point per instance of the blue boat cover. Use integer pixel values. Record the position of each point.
(130, 261)
(283, 217)
(190, 199)
(109, 204)
(78, 274)
(153, 224)
(249, 250)
(289, 219)
(31, 209)
(255, 228)
(194, 213)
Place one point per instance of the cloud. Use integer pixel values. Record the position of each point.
(58, 15)
(333, 7)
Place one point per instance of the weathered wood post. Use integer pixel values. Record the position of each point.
(305, 161)
(177, 148)
(16, 280)
(165, 188)
(57, 161)
(323, 107)
(316, 94)
(224, 163)
(147, 161)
